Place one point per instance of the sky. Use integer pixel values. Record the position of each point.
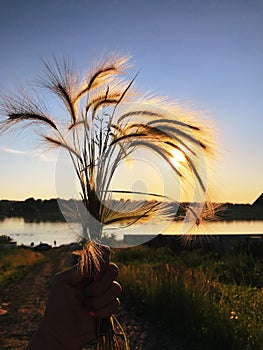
(207, 55)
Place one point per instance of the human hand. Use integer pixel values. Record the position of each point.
(73, 309)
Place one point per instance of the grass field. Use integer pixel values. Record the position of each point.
(210, 298)
(15, 261)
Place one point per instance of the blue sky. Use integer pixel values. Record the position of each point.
(205, 54)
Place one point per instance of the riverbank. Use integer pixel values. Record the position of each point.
(24, 296)
(175, 296)
(210, 296)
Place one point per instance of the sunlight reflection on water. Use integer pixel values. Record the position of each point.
(26, 232)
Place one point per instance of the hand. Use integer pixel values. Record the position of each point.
(74, 308)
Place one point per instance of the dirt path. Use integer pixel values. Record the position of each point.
(25, 302)
(25, 305)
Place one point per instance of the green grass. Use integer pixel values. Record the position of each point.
(15, 261)
(211, 299)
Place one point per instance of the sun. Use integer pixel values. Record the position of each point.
(178, 158)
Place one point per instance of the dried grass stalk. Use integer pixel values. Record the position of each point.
(99, 139)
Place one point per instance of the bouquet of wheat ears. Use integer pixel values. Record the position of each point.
(105, 121)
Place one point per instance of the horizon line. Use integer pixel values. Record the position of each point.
(68, 199)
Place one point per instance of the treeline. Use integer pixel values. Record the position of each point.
(231, 211)
(49, 210)
(31, 209)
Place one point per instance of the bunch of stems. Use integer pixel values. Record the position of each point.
(105, 122)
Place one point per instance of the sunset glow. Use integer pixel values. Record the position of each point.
(178, 158)
(191, 53)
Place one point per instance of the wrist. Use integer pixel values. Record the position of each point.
(43, 339)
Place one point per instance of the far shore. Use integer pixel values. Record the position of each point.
(32, 210)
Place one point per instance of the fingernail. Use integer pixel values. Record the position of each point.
(92, 314)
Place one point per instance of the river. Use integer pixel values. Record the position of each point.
(63, 233)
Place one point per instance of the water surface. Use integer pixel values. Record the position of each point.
(63, 233)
